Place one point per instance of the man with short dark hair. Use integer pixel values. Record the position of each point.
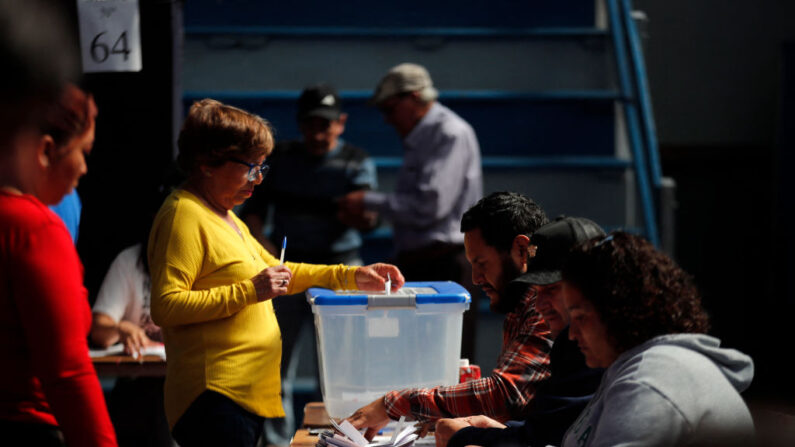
(497, 236)
(560, 398)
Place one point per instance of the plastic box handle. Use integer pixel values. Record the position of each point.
(391, 301)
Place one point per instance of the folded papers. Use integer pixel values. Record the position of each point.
(348, 436)
(118, 349)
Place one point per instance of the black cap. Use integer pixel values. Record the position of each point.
(554, 241)
(319, 100)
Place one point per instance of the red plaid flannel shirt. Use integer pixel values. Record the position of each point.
(506, 393)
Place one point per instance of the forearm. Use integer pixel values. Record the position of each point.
(104, 331)
(427, 189)
(173, 306)
(79, 406)
(484, 396)
(316, 275)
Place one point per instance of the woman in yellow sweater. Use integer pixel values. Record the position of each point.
(212, 283)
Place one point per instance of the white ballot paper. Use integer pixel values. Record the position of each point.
(404, 436)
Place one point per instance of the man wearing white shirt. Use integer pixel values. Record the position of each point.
(439, 180)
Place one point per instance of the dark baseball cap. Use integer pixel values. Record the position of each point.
(554, 241)
(319, 100)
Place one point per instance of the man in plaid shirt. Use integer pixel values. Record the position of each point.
(497, 233)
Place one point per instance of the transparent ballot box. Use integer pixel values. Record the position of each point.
(372, 342)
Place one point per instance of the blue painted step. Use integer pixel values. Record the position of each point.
(390, 13)
(507, 123)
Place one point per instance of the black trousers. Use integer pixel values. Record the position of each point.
(215, 420)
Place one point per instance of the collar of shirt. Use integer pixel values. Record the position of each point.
(420, 132)
(524, 311)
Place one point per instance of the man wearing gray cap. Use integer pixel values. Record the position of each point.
(439, 180)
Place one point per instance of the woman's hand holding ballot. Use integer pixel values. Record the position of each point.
(272, 282)
(374, 277)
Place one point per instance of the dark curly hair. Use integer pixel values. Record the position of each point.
(638, 291)
(500, 216)
(213, 132)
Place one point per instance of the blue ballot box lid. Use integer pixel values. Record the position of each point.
(425, 292)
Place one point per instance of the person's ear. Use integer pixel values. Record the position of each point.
(520, 251)
(342, 119)
(45, 152)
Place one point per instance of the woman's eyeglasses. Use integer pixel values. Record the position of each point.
(253, 169)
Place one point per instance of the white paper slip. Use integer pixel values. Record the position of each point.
(118, 349)
(350, 437)
(347, 429)
(341, 441)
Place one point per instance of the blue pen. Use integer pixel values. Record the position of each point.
(284, 245)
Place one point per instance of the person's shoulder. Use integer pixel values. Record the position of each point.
(181, 206)
(26, 212)
(129, 255)
(449, 119)
(652, 362)
(445, 124)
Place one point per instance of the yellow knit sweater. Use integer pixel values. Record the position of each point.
(217, 336)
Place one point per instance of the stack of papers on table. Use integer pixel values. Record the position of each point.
(118, 349)
(348, 436)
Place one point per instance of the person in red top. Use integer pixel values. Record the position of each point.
(49, 391)
(497, 233)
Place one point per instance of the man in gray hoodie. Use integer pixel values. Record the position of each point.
(636, 313)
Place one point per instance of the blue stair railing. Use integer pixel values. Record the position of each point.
(620, 29)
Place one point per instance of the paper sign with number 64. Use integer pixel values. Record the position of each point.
(110, 35)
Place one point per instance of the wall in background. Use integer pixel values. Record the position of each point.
(715, 74)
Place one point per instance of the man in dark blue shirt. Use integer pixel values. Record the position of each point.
(306, 179)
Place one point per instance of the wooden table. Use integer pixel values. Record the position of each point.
(126, 366)
(315, 416)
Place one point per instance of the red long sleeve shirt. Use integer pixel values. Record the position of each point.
(47, 376)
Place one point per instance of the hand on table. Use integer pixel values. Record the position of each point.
(272, 282)
(446, 428)
(374, 277)
(134, 338)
